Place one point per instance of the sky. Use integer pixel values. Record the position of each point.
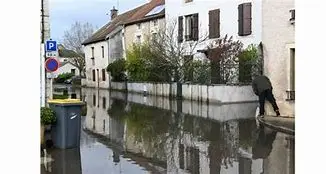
(63, 13)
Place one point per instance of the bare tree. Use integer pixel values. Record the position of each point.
(73, 39)
(173, 55)
(223, 54)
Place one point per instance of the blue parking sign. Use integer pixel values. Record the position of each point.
(51, 46)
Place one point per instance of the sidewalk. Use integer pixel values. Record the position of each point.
(282, 124)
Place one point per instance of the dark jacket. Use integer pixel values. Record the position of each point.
(260, 84)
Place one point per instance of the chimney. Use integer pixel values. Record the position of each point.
(114, 13)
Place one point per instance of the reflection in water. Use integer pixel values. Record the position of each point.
(163, 136)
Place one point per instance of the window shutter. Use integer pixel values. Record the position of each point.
(214, 23)
(246, 19)
(240, 20)
(195, 27)
(180, 29)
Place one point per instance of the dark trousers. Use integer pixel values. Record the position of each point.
(267, 94)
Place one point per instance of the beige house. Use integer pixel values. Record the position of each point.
(145, 23)
(279, 52)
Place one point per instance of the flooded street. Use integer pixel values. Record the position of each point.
(134, 134)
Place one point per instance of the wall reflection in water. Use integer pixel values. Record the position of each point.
(63, 161)
(187, 137)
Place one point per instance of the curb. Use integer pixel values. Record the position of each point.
(278, 128)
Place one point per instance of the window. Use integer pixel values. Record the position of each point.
(74, 96)
(102, 51)
(155, 22)
(214, 23)
(291, 91)
(181, 156)
(94, 100)
(158, 9)
(244, 21)
(186, 1)
(191, 27)
(292, 19)
(192, 160)
(104, 102)
(73, 71)
(138, 40)
(93, 72)
(154, 36)
(103, 125)
(138, 26)
(92, 52)
(103, 75)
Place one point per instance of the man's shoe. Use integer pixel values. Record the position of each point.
(278, 113)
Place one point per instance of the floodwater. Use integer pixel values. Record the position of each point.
(131, 133)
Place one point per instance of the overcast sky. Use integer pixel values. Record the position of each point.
(63, 13)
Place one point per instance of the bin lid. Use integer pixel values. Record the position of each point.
(66, 101)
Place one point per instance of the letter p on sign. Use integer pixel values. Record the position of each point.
(51, 46)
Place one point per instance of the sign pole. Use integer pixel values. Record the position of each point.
(51, 88)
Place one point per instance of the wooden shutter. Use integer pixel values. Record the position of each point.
(240, 20)
(194, 28)
(180, 29)
(244, 19)
(103, 74)
(247, 19)
(93, 75)
(214, 23)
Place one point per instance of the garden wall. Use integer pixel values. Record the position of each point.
(210, 93)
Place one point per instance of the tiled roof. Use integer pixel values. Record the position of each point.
(139, 16)
(100, 34)
(132, 16)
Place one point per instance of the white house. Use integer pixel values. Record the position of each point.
(103, 47)
(197, 19)
(279, 52)
(66, 67)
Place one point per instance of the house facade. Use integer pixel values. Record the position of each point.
(67, 67)
(145, 23)
(198, 19)
(109, 42)
(278, 40)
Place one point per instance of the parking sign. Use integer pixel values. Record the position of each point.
(51, 46)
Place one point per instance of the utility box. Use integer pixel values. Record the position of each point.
(66, 131)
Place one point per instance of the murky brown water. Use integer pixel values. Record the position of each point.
(136, 134)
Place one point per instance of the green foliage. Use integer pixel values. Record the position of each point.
(202, 72)
(47, 116)
(62, 77)
(138, 62)
(143, 64)
(247, 59)
(117, 70)
(58, 96)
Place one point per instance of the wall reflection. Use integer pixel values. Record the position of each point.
(187, 137)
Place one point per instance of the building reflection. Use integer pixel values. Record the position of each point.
(181, 142)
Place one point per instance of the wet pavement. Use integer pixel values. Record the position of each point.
(135, 134)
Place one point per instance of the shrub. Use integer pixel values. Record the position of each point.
(47, 116)
(62, 77)
(58, 96)
(144, 64)
(247, 60)
(117, 70)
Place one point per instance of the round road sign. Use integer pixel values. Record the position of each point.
(51, 64)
